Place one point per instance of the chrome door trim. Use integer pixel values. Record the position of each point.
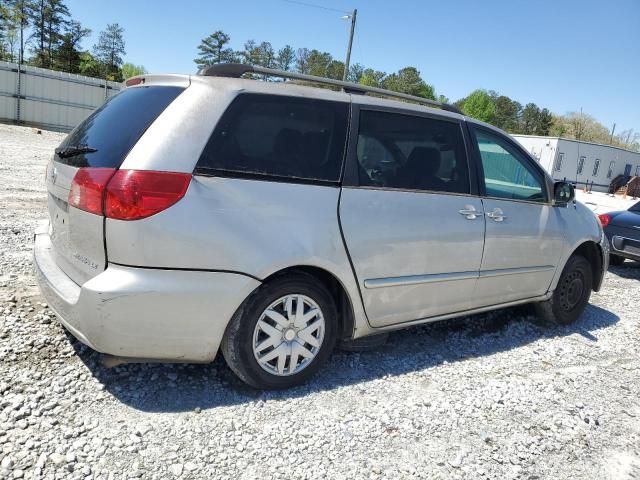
(515, 271)
(418, 279)
(620, 237)
(497, 215)
(470, 212)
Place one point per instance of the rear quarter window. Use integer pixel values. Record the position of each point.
(114, 128)
(278, 136)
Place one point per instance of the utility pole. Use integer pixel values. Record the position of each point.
(612, 130)
(353, 28)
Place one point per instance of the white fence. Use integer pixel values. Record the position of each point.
(50, 99)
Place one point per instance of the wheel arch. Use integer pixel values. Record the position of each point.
(344, 305)
(593, 253)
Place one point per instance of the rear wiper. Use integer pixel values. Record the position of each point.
(70, 151)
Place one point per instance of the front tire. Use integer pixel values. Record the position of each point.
(571, 295)
(282, 333)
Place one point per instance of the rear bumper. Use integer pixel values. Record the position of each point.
(140, 312)
(624, 246)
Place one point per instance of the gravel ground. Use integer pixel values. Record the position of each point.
(491, 396)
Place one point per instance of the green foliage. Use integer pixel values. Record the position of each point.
(130, 70)
(67, 57)
(49, 18)
(318, 63)
(109, 51)
(507, 113)
(372, 78)
(213, 49)
(408, 80)
(17, 19)
(89, 66)
(286, 58)
(356, 71)
(479, 105)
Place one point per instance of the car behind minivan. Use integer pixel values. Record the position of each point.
(271, 220)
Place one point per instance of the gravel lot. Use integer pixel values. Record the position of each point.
(492, 396)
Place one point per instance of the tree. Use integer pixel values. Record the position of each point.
(68, 55)
(4, 27)
(408, 80)
(109, 51)
(629, 139)
(286, 58)
(213, 49)
(580, 126)
(19, 14)
(302, 60)
(356, 70)
(479, 104)
(49, 17)
(130, 70)
(372, 78)
(318, 63)
(264, 55)
(507, 114)
(89, 66)
(529, 119)
(335, 70)
(545, 120)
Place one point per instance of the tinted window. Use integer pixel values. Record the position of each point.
(279, 136)
(115, 127)
(411, 152)
(507, 173)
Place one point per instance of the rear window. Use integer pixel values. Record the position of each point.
(114, 128)
(278, 136)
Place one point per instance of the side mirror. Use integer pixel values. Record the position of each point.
(563, 193)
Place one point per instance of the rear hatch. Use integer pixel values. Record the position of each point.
(91, 154)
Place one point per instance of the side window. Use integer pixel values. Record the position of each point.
(411, 153)
(507, 174)
(290, 137)
(559, 161)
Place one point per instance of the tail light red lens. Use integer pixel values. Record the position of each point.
(604, 219)
(126, 194)
(136, 194)
(87, 189)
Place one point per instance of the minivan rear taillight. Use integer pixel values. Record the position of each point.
(87, 189)
(126, 194)
(135, 194)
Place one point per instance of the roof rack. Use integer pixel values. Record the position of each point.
(237, 70)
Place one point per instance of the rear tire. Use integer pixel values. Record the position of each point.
(571, 294)
(616, 260)
(268, 333)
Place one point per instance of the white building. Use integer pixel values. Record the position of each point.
(582, 163)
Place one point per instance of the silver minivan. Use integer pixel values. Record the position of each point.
(271, 220)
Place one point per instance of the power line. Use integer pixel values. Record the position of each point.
(316, 6)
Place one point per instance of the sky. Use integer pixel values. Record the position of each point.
(561, 54)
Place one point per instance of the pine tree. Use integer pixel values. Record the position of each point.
(213, 49)
(109, 51)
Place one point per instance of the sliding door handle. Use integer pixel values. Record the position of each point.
(496, 215)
